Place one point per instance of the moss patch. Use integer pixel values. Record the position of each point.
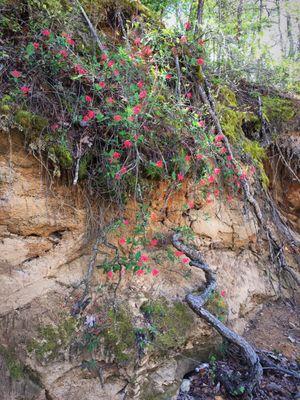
(51, 339)
(30, 123)
(169, 324)
(15, 367)
(217, 306)
(277, 109)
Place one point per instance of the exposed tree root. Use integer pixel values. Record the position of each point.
(197, 303)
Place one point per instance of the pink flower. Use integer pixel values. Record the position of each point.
(80, 70)
(123, 170)
(153, 242)
(63, 53)
(104, 57)
(189, 95)
(169, 76)
(216, 192)
(110, 100)
(127, 144)
(201, 124)
(146, 51)
(191, 204)
(140, 272)
(110, 63)
(199, 156)
(200, 61)
(187, 158)
(140, 84)
(36, 45)
(180, 177)
(155, 272)
(159, 164)
(130, 118)
(229, 158)
(202, 182)
(116, 155)
(110, 274)
(25, 90)
(178, 253)
(219, 138)
(217, 171)
(223, 293)
(46, 32)
(137, 41)
(116, 72)
(117, 176)
(117, 118)
(183, 39)
(144, 258)
(102, 85)
(229, 198)
(223, 150)
(54, 127)
(122, 241)
(211, 179)
(137, 109)
(16, 74)
(88, 98)
(187, 26)
(126, 222)
(185, 260)
(201, 42)
(143, 94)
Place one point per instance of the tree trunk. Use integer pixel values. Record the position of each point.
(239, 16)
(200, 9)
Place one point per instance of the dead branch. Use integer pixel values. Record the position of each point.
(197, 303)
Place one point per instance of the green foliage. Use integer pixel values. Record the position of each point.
(217, 306)
(277, 109)
(51, 339)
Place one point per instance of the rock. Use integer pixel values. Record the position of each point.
(185, 385)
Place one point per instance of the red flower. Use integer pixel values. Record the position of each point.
(229, 158)
(116, 72)
(126, 222)
(137, 41)
(123, 170)
(80, 70)
(110, 274)
(211, 179)
(216, 192)
(25, 90)
(127, 144)
(117, 118)
(191, 204)
(223, 293)
(187, 158)
(219, 138)
(159, 164)
(180, 177)
(140, 272)
(200, 61)
(223, 150)
(102, 85)
(146, 51)
(88, 98)
(187, 26)
(110, 63)
(46, 32)
(199, 156)
(122, 241)
(110, 100)
(70, 41)
(137, 109)
(155, 272)
(104, 57)
(178, 253)
(131, 118)
(143, 94)
(144, 258)
(36, 45)
(202, 182)
(63, 53)
(116, 155)
(185, 260)
(201, 124)
(153, 242)
(201, 42)
(16, 74)
(169, 76)
(91, 114)
(140, 84)
(189, 95)
(54, 127)
(217, 171)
